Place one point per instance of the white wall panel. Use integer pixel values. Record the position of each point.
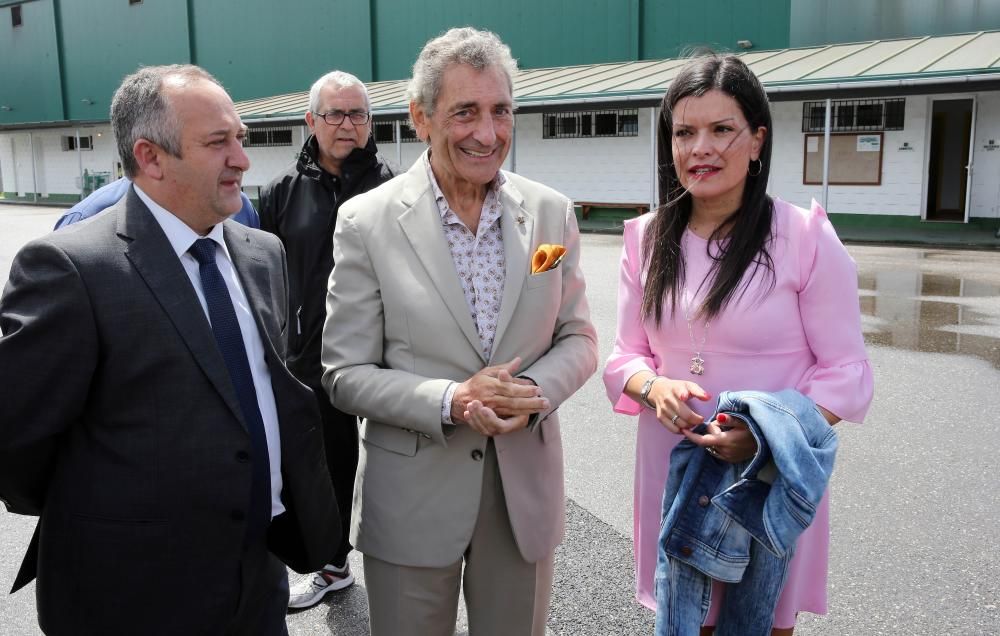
(267, 163)
(611, 169)
(985, 199)
(8, 169)
(599, 169)
(59, 170)
(901, 192)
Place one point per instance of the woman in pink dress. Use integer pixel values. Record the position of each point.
(726, 288)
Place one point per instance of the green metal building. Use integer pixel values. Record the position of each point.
(60, 60)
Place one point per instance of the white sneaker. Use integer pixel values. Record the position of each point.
(310, 588)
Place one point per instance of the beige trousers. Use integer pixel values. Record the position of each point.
(504, 594)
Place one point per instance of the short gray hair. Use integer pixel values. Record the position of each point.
(465, 45)
(139, 110)
(338, 79)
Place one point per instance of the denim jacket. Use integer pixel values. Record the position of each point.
(738, 523)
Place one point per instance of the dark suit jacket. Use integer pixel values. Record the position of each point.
(119, 426)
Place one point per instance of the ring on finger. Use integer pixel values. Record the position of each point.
(673, 420)
(713, 452)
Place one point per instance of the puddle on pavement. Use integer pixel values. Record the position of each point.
(934, 313)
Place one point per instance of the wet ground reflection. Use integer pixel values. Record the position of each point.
(932, 301)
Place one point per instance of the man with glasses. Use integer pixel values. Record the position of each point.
(337, 162)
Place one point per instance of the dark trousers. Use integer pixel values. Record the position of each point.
(263, 596)
(340, 441)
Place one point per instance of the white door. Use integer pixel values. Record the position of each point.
(970, 165)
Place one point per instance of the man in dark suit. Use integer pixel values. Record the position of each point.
(148, 417)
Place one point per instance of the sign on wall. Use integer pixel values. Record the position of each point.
(855, 159)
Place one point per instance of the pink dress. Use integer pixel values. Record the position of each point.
(805, 334)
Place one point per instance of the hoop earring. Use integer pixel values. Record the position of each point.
(760, 166)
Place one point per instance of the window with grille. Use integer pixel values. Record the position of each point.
(68, 142)
(267, 137)
(385, 131)
(628, 125)
(855, 115)
(591, 123)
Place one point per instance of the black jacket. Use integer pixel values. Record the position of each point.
(300, 206)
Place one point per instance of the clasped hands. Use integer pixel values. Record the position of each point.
(494, 402)
(728, 438)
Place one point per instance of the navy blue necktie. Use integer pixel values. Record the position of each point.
(229, 338)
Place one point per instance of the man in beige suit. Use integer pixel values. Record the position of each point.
(457, 357)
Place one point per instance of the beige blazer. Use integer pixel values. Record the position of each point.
(398, 332)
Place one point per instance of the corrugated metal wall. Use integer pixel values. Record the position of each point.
(68, 56)
(263, 47)
(267, 47)
(548, 33)
(828, 21)
(670, 27)
(30, 88)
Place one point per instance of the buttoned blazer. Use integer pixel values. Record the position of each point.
(121, 429)
(399, 331)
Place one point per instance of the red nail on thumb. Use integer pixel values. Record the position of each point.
(722, 418)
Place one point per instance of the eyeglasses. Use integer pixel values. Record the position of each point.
(336, 117)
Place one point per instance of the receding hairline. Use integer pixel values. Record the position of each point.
(335, 88)
(171, 90)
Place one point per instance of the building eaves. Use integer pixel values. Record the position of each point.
(902, 65)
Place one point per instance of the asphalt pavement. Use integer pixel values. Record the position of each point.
(915, 499)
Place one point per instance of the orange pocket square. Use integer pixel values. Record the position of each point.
(546, 257)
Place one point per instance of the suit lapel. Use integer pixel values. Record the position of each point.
(517, 226)
(421, 223)
(153, 257)
(248, 259)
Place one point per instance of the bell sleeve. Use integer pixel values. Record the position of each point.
(631, 353)
(841, 379)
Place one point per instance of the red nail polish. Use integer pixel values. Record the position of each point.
(722, 418)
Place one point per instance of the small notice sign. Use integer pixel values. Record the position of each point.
(869, 143)
(812, 144)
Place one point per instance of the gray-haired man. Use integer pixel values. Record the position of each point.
(433, 311)
(338, 161)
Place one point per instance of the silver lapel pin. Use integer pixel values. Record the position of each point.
(520, 220)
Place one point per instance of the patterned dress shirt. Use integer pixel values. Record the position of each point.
(479, 262)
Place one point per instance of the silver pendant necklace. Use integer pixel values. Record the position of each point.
(697, 366)
(697, 362)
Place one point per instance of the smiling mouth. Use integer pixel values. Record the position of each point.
(477, 154)
(702, 171)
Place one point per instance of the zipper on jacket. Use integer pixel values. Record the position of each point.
(298, 321)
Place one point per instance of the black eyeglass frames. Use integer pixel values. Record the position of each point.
(336, 117)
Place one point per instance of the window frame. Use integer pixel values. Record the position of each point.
(267, 137)
(407, 133)
(590, 124)
(865, 115)
(68, 143)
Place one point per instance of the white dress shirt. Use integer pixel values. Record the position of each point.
(181, 238)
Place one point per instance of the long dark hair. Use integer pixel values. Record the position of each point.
(748, 229)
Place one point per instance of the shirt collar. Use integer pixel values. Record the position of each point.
(492, 189)
(180, 235)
